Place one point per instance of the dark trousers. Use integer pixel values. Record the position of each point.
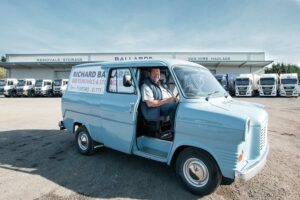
(169, 110)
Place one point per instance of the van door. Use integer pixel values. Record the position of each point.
(119, 111)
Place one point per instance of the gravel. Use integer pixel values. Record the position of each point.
(37, 161)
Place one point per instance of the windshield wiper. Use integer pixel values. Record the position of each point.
(209, 94)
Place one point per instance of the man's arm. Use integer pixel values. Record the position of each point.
(147, 97)
(156, 103)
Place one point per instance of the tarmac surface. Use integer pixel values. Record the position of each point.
(37, 161)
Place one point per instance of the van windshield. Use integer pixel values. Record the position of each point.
(267, 81)
(21, 83)
(242, 81)
(289, 81)
(57, 83)
(38, 83)
(2, 82)
(196, 82)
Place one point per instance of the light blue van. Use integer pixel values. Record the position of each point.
(215, 138)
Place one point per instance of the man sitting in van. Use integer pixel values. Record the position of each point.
(157, 100)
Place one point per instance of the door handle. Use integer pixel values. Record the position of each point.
(131, 107)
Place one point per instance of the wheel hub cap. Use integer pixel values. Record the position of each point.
(83, 141)
(195, 172)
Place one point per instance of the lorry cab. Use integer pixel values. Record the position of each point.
(59, 86)
(268, 85)
(214, 137)
(29, 87)
(10, 87)
(43, 87)
(2, 84)
(19, 88)
(289, 85)
(246, 85)
(25, 87)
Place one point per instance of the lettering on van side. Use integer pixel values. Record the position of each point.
(88, 80)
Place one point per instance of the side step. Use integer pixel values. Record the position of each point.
(153, 148)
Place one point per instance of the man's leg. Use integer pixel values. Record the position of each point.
(169, 110)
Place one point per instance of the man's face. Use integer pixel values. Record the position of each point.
(155, 75)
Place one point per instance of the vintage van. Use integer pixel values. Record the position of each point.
(215, 136)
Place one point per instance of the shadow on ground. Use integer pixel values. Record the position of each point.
(52, 154)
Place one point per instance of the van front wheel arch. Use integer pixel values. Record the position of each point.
(84, 142)
(198, 171)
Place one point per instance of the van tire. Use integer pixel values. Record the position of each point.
(84, 142)
(195, 159)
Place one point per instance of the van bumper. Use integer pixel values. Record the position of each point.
(61, 125)
(252, 168)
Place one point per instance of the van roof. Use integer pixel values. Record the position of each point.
(141, 63)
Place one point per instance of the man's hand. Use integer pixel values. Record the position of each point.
(176, 99)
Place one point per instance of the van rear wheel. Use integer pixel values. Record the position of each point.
(198, 171)
(84, 142)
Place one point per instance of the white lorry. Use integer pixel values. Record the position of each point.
(43, 87)
(10, 87)
(246, 85)
(60, 86)
(289, 85)
(268, 85)
(25, 87)
(2, 84)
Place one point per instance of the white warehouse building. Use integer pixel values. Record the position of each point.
(56, 66)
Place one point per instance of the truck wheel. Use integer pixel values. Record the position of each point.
(198, 171)
(84, 142)
(30, 93)
(13, 94)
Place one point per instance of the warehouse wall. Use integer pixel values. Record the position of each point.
(234, 70)
(39, 73)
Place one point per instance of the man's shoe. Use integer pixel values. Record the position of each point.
(167, 136)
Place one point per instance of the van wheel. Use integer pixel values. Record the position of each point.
(198, 171)
(84, 142)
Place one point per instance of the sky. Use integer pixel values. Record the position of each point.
(108, 26)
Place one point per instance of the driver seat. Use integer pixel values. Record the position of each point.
(158, 129)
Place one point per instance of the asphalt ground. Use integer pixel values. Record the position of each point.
(37, 161)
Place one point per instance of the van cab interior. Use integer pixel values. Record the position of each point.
(155, 137)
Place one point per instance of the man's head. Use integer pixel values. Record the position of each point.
(155, 74)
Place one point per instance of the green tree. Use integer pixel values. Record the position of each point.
(3, 59)
(2, 73)
(281, 68)
(2, 70)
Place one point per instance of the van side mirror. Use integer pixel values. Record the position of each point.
(127, 81)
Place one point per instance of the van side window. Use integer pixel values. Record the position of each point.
(116, 81)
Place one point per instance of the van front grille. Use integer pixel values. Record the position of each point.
(263, 136)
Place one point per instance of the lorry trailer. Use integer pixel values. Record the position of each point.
(227, 81)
